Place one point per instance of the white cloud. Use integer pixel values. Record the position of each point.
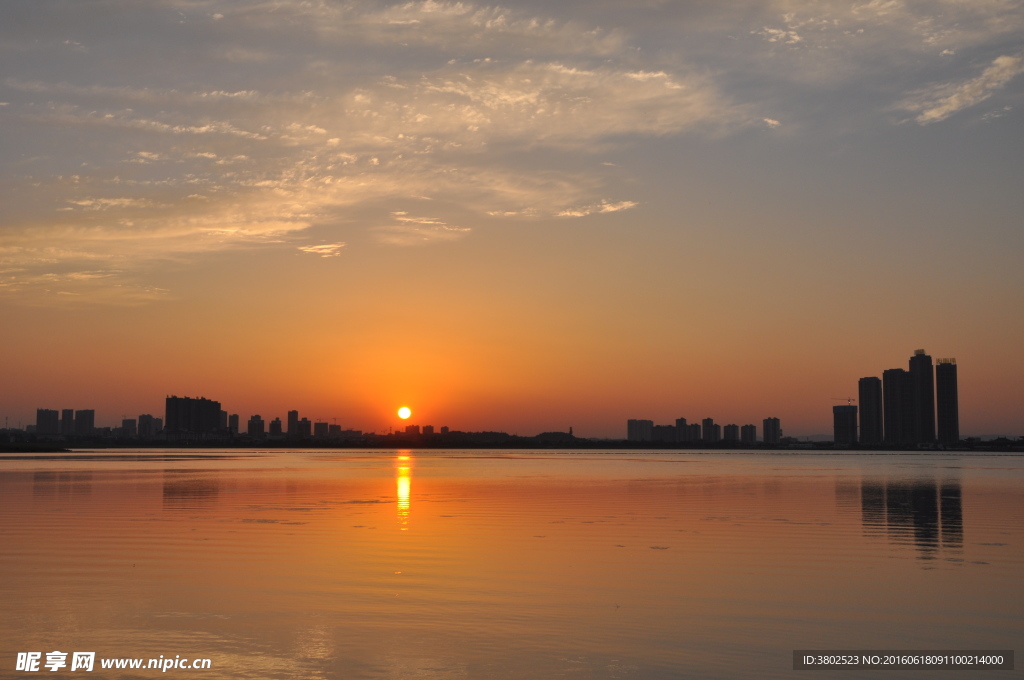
(602, 207)
(324, 250)
(413, 231)
(937, 103)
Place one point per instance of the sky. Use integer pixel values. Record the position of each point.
(518, 217)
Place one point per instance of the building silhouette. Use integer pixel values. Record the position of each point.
(47, 421)
(844, 425)
(276, 428)
(922, 380)
(896, 407)
(947, 407)
(255, 426)
(869, 393)
(710, 432)
(129, 427)
(85, 421)
(149, 426)
(748, 435)
(731, 434)
(636, 430)
(67, 421)
(185, 415)
(293, 424)
(772, 431)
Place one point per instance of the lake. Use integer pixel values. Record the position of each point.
(500, 564)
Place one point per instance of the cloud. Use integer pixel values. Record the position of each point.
(602, 207)
(939, 102)
(325, 250)
(417, 231)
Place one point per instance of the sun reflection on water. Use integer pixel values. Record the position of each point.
(403, 489)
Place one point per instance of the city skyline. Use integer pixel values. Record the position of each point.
(512, 216)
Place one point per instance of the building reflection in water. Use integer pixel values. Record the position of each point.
(189, 489)
(921, 512)
(403, 488)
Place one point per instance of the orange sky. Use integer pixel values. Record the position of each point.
(557, 216)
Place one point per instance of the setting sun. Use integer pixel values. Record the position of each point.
(404, 412)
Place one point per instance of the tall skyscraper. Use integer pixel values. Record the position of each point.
(255, 426)
(772, 431)
(731, 433)
(67, 421)
(948, 409)
(923, 398)
(293, 424)
(85, 421)
(748, 435)
(897, 407)
(149, 426)
(682, 431)
(844, 425)
(869, 394)
(47, 421)
(195, 416)
(275, 427)
(639, 430)
(710, 432)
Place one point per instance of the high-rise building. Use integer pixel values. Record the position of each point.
(128, 427)
(293, 424)
(639, 430)
(233, 422)
(428, 429)
(222, 422)
(710, 433)
(305, 428)
(948, 409)
(67, 421)
(255, 426)
(682, 431)
(897, 407)
(47, 421)
(663, 433)
(869, 393)
(185, 415)
(922, 388)
(731, 434)
(772, 431)
(149, 426)
(320, 429)
(85, 421)
(276, 427)
(412, 429)
(748, 435)
(693, 431)
(844, 425)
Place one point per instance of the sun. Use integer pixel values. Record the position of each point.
(404, 412)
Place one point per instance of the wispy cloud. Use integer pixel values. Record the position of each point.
(602, 207)
(324, 250)
(939, 102)
(418, 231)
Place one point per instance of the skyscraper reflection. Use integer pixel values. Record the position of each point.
(917, 512)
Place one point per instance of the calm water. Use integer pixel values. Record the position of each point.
(489, 564)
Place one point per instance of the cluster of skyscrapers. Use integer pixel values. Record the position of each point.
(705, 432)
(905, 408)
(82, 423)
